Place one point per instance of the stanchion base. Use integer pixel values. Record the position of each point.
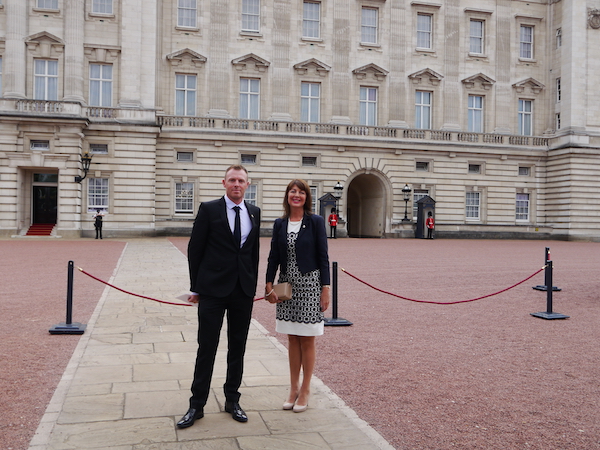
(337, 322)
(68, 328)
(540, 287)
(549, 315)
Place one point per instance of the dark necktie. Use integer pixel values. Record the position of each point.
(237, 229)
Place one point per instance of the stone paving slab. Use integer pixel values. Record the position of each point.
(128, 381)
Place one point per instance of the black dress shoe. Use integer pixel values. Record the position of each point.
(190, 417)
(236, 411)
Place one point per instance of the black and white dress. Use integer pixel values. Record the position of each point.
(301, 315)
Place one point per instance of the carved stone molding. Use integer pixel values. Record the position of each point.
(251, 61)
(594, 18)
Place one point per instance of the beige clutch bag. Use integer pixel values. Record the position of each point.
(283, 291)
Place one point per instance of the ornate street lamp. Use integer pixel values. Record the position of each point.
(406, 193)
(86, 160)
(338, 190)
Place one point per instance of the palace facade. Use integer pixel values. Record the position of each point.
(489, 107)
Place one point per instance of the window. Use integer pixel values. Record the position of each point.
(99, 149)
(310, 101)
(313, 193)
(309, 161)
(476, 36)
(424, 30)
(526, 42)
(423, 110)
(247, 159)
(186, 13)
(522, 207)
(422, 166)
(311, 20)
(472, 206)
(250, 15)
(101, 85)
(251, 194)
(418, 194)
(184, 198)
(524, 171)
(39, 145)
(557, 121)
(558, 90)
(97, 193)
(368, 29)
(45, 79)
(185, 95)
(368, 106)
(475, 114)
(102, 6)
(185, 156)
(249, 98)
(47, 4)
(525, 117)
(475, 168)
(559, 38)
(0, 77)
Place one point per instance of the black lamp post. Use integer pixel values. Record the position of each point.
(406, 193)
(86, 160)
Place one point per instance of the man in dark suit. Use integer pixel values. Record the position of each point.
(223, 263)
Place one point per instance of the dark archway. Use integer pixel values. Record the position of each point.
(366, 206)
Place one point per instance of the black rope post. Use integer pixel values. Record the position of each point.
(545, 286)
(335, 320)
(68, 327)
(549, 314)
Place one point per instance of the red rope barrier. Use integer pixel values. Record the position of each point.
(138, 295)
(442, 303)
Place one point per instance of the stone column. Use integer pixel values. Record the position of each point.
(506, 111)
(219, 64)
(341, 71)
(397, 76)
(451, 83)
(281, 61)
(14, 75)
(74, 60)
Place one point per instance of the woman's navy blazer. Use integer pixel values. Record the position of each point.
(311, 248)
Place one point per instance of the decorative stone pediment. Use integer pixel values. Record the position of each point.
(535, 86)
(372, 70)
(426, 75)
(249, 61)
(478, 80)
(45, 44)
(312, 65)
(186, 58)
(101, 53)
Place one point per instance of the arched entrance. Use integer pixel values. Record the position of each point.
(366, 199)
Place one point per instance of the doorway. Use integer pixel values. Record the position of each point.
(366, 206)
(44, 198)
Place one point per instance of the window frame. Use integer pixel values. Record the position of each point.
(310, 100)
(306, 21)
(368, 108)
(250, 16)
(481, 37)
(529, 43)
(369, 30)
(183, 204)
(525, 117)
(188, 94)
(92, 206)
(420, 32)
(104, 3)
(193, 14)
(421, 108)
(46, 78)
(51, 7)
(251, 194)
(472, 206)
(249, 95)
(472, 111)
(558, 90)
(522, 207)
(102, 82)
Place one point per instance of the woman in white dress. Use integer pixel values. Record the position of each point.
(299, 251)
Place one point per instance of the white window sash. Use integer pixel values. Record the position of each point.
(311, 20)
(368, 106)
(102, 6)
(185, 95)
(522, 207)
(472, 203)
(475, 114)
(249, 98)
(184, 197)
(526, 42)
(477, 28)
(46, 79)
(251, 15)
(423, 110)
(369, 18)
(424, 31)
(310, 99)
(186, 13)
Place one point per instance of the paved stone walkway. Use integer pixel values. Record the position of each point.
(128, 381)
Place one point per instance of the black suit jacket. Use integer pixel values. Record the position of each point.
(215, 261)
(311, 248)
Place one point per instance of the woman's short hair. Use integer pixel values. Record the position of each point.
(303, 186)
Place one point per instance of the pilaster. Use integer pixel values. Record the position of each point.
(74, 59)
(14, 58)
